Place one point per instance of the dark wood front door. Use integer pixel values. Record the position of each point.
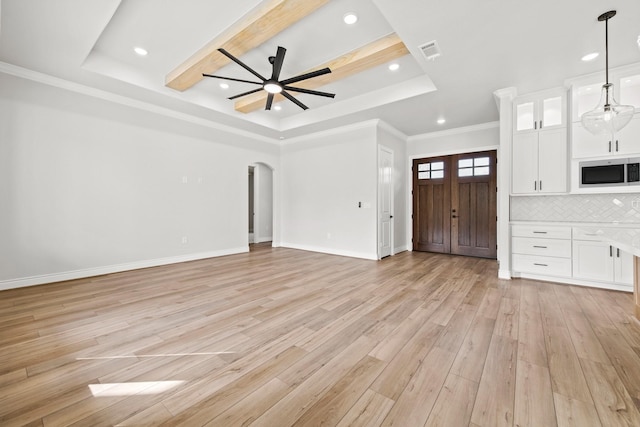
(454, 204)
(432, 205)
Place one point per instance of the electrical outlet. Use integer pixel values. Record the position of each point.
(185, 240)
(185, 179)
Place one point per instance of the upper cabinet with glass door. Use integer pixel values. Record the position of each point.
(544, 110)
(585, 95)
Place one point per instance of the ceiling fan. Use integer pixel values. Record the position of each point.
(273, 85)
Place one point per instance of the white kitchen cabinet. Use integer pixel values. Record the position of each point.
(625, 142)
(598, 261)
(543, 110)
(585, 95)
(541, 250)
(539, 163)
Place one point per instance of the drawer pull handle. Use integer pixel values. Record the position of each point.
(539, 232)
(541, 265)
(541, 247)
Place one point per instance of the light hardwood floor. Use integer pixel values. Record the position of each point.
(280, 337)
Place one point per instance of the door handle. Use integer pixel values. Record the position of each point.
(454, 216)
(390, 216)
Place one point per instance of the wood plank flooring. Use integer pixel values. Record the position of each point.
(280, 337)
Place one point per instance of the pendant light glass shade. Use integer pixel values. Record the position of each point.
(608, 116)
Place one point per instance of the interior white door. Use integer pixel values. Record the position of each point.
(385, 202)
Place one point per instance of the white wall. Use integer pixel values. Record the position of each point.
(454, 141)
(263, 203)
(390, 138)
(324, 177)
(88, 186)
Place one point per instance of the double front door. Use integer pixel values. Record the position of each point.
(454, 204)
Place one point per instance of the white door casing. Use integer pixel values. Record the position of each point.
(385, 202)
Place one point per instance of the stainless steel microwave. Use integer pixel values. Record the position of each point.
(610, 173)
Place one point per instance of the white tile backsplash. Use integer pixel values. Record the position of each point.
(619, 208)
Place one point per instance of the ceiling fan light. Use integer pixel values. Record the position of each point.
(607, 117)
(272, 87)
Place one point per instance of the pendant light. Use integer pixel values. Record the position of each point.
(608, 116)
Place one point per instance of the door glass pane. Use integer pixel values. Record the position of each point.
(465, 163)
(424, 167)
(483, 170)
(524, 116)
(552, 111)
(630, 91)
(424, 175)
(437, 174)
(481, 161)
(437, 165)
(465, 172)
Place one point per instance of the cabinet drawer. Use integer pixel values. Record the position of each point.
(548, 266)
(544, 247)
(543, 231)
(579, 234)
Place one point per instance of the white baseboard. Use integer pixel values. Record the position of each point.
(504, 274)
(263, 239)
(98, 271)
(330, 251)
(400, 249)
(576, 282)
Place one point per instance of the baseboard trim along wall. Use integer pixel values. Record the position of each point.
(330, 251)
(98, 271)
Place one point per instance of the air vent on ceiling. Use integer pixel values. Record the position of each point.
(430, 50)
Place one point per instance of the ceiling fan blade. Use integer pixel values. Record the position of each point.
(242, 64)
(269, 102)
(232, 79)
(295, 101)
(245, 93)
(310, 92)
(277, 63)
(306, 76)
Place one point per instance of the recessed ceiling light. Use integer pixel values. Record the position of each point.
(277, 108)
(394, 66)
(224, 86)
(140, 51)
(590, 56)
(441, 121)
(350, 18)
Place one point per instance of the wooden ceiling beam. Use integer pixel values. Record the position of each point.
(371, 55)
(258, 26)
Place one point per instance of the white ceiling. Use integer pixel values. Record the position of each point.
(486, 45)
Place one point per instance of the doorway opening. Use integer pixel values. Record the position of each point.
(454, 204)
(260, 205)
